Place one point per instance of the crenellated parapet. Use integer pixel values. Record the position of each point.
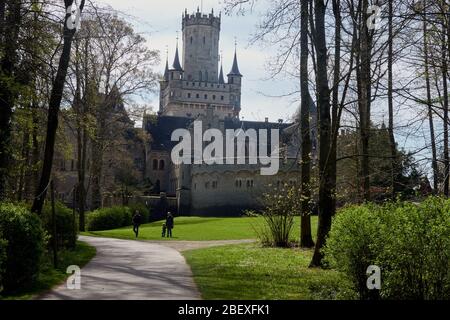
(199, 18)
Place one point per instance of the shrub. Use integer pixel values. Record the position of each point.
(25, 236)
(3, 246)
(66, 225)
(350, 244)
(281, 206)
(414, 251)
(410, 243)
(109, 218)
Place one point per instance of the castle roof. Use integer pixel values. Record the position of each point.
(176, 62)
(161, 129)
(166, 71)
(221, 78)
(235, 69)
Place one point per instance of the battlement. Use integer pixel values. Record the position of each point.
(199, 18)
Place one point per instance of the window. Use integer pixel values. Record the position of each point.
(189, 95)
(206, 185)
(214, 97)
(214, 184)
(206, 75)
(222, 98)
(155, 164)
(192, 40)
(161, 165)
(198, 96)
(200, 76)
(231, 80)
(204, 40)
(238, 183)
(206, 96)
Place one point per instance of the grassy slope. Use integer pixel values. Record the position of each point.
(249, 272)
(49, 277)
(201, 229)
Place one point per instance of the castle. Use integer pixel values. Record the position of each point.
(195, 90)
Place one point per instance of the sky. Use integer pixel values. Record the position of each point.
(159, 22)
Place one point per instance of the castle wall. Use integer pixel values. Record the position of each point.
(229, 190)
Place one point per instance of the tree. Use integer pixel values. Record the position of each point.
(54, 105)
(306, 240)
(326, 187)
(10, 21)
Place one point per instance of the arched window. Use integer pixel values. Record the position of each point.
(161, 164)
(155, 164)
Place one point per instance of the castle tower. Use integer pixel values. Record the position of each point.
(201, 34)
(192, 87)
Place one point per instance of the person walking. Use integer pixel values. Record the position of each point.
(137, 220)
(169, 224)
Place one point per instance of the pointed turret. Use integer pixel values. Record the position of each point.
(166, 71)
(221, 78)
(235, 69)
(176, 61)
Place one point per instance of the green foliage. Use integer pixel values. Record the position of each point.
(25, 236)
(409, 242)
(109, 218)
(350, 244)
(281, 206)
(66, 232)
(415, 250)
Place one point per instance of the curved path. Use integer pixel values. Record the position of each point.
(131, 270)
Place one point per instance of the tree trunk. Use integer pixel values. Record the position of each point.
(326, 201)
(12, 21)
(53, 112)
(306, 240)
(364, 100)
(392, 144)
(97, 166)
(445, 93)
(429, 103)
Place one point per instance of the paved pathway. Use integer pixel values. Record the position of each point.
(131, 270)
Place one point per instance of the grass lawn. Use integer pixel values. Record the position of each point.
(200, 229)
(249, 272)
(49, 277)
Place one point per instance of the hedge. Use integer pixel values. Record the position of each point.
(409, 242)
(26, 241)
(109, 218)
(65, 224)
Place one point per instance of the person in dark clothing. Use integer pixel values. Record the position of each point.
(169, 224)
(137, 220)
(164, 229)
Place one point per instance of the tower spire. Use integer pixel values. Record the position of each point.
(166, 71)
(176, 61)
(221, 78)
(235, 69)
